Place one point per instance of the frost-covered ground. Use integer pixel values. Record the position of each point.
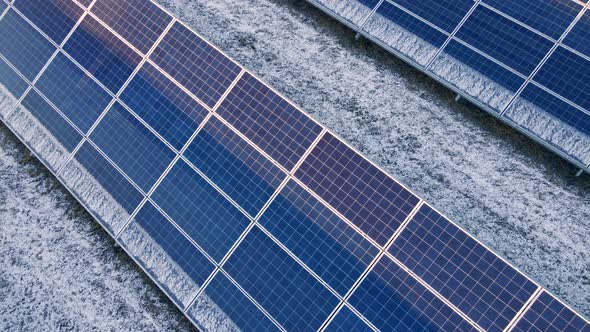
(60, 271)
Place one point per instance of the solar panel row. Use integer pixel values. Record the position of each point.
(245, 211)
(526, 62)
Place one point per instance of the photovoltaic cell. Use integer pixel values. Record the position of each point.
(267, 119)
(579, 37)
(12, 82)
(202, 69)
(223, 307)
(55, 18)
(23, 46)
(319, 238)
(163, 105)
(546, 16)
(76, 94)
(446, 14)
(279, 284)
(567, 74)
(236, 167)
(201, 211)
(548, 314)
(354, 11)
(130, 145)
(103, 190)
(369, 198)
(85, 3)
(502, 39)
(466, 273)
(393, 300)
(346, 320)
(166, 254)
(102, 54)
(138, 21)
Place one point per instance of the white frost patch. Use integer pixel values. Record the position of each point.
(352, 10)
(38, 137)
(551, 129)
(7, 102)
(169, 275)
(112, 214)
(209, 316)
(471, 81)
(400, 39)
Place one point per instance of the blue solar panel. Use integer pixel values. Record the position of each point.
(132, 147)
(85, 3)
(166, 254)
(102, 54)
(477, 75)
(223, 307)
(394, 301)
(266, 118)
(235, 166)
(55, 18)
(14, 85)
(279, 284)
(76, 94)
(405, 33)
(23, 46)
(466, 273)
(202, 69)
(325, 243)
(548, 314)
(140, 22)
(103, 190)
(202, 212)
(446, 14)
(513, 45)
(346, 320)
(579, 36)
(369, 198)
(353, 11)
(163, 105)
(567, 74)
(547, 16)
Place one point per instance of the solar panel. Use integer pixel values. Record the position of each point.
(246, 212)
(490, 52)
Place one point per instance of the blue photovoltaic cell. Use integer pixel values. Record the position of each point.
(268, 120)
(140, 22)
(579, 37)
(200, 210)
(55, 18)
(23, 46)
(323, 241)
(568, 74)
(202, 69)
(544, 101)
(12, 81)
(57, 126)
(354, 11)
(292, 296)
(85, 3)
(236, 167)
(392, 300)
(163, 105)
(547, 314)
(471, 277)
(76, 94)
(346, 320)
(504, 40)
(179, 249)
(547, 16)
(130, 145)
(446, 14)
(365, 195)
(223, 307)
(105, 175)
(102, 54)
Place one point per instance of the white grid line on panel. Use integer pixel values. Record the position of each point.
(540, 65)
(5, 11)
(524, 309)
(452, 35)
(366, 19)
(545, 290)
(418, 17)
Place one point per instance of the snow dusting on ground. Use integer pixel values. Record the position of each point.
(60, 271)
